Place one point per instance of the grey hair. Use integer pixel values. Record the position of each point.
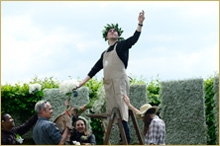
(40, 105)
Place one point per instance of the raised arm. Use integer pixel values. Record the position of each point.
(140, 20)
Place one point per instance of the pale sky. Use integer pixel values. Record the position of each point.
(179, 39)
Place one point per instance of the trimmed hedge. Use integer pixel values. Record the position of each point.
(183, 111)
(57, 100)
(216, 107)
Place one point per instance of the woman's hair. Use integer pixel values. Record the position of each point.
(86, 132)
(147, 119)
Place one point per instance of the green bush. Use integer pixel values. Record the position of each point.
(93, 84)
(153, 89)
(209, 102)
(17, 98)
(216, 107)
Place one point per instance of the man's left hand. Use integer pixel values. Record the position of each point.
(141, 17)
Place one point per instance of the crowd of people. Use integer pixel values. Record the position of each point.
(46, 132)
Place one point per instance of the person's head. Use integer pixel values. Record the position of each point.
(147, 112)
(147, 108)
(80, 125)
(112, 32)
(7, 122)
(43, 109)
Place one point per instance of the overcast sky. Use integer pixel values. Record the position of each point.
(179, 40)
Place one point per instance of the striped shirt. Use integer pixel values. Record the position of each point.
(156, 133)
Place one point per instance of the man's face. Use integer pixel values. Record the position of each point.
(80, 126)
(9, 122)
(48, 112)
(112, 34)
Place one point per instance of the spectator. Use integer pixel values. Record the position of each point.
(80, 133)
(10, 134)
(154, 127)
(46, 132)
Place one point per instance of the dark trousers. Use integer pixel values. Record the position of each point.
(127, 132)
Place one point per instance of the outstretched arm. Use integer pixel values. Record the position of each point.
(140, 20)
(127, 101)
(84, 81)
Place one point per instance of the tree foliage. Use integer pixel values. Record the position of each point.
(209, 105)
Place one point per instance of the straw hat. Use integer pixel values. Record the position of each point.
(144, 108)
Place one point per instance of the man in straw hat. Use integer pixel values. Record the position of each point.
(114, 61)
(154, 127)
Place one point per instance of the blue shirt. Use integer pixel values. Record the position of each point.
(46, 132)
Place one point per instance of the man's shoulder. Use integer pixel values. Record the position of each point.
(45, 123)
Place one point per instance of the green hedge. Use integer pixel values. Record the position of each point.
(209, 102)
(216, 107)
(183, 110)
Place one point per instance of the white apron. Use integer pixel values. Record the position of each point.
(115, 82)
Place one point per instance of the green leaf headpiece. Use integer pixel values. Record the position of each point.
(106, 29)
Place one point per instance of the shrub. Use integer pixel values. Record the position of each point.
(209, 101)
(97, 129)
(216, 107)
(153, 89)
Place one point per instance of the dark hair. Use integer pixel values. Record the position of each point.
(3, 116)
(147, 119)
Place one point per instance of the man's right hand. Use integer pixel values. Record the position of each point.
(83, 82)
(80, 84)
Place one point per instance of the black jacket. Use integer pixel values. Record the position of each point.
(9, 138)
(76, 136)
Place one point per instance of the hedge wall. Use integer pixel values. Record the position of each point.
(57, 100)
(216, 107)
(183, 111)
